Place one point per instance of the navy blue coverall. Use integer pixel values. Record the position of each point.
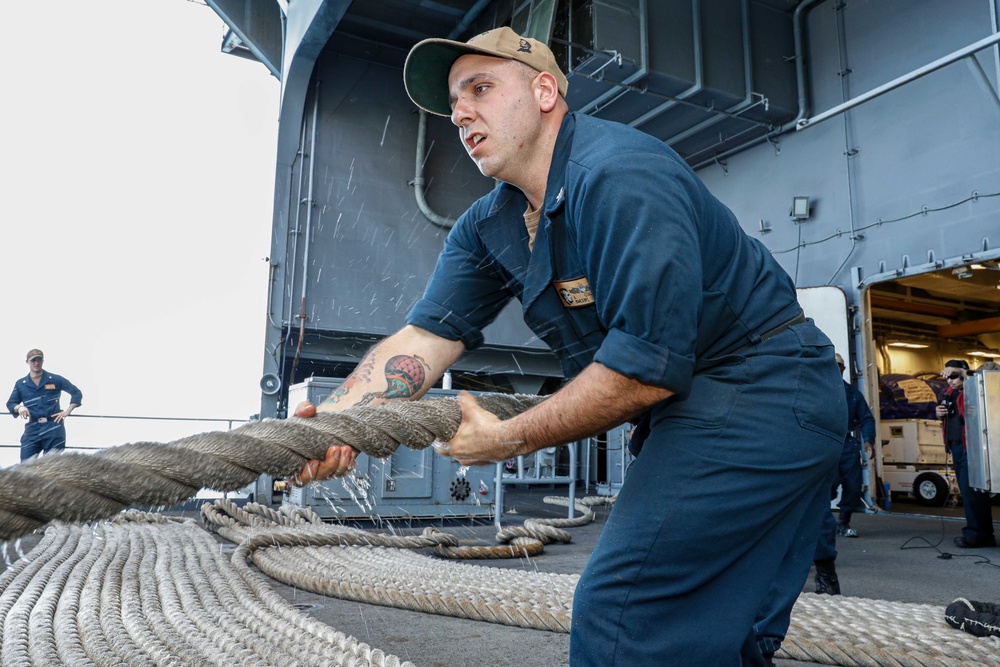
(41, 433)
(775, 619)
(666, 288)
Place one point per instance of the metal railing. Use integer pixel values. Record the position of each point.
(229, 422)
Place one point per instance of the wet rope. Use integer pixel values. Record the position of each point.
(73, 486)
(351, 564)
(147, 591)
(826, 630)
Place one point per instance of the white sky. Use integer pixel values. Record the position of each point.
(135, 209)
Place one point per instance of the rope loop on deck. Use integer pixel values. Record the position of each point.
(826, 630)
(149, 589)
(352, 564)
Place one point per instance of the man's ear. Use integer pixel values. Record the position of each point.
(546, 91)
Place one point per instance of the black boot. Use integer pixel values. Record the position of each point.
(826, 577)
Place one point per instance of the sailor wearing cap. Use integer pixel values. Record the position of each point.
(662, 311)
(35, 398)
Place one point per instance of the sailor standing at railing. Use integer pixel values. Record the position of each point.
(35, 398)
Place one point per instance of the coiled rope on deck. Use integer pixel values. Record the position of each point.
(72, 486)
(861, 632)
(143, 591)
(827, 630)
(351, 564)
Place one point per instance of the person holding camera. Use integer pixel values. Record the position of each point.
(978, 530)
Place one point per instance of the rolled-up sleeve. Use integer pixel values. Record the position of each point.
(14, 401)
(645, 361)
(75, 395)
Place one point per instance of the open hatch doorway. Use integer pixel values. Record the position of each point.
(913, 320)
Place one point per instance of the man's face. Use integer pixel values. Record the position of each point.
(497, 113)
(35, 364)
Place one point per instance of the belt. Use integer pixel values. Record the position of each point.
(40, 420)
(771, 333)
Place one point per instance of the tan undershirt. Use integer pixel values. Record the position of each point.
(531, 219)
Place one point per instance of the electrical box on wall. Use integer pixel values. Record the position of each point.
(407, 484)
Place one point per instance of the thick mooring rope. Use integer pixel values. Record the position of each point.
(144, 591)
(826, 630)
(860, 632)
(72, 486)
(351, 564)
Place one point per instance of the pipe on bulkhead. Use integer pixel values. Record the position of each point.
(308, 231)
(995, 27)
(419, 184)
(955, 56)
(979, 74)
(296, 233)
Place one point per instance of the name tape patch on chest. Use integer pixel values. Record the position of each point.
(49, 386)
(574, 293)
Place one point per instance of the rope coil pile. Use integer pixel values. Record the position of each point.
(73, 486)
(826, 630)
(860, 632)
(147, 591)
(298, 549)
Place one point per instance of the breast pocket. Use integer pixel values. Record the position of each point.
(585, 332)
(574, 334)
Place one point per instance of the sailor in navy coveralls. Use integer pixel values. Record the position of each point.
(36, 398)
(661, 312)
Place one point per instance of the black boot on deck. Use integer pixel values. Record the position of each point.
(826, 577)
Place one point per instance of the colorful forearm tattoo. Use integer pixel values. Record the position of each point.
(404, 376)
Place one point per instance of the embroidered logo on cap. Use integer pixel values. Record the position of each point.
(524, 46)
(574, 293)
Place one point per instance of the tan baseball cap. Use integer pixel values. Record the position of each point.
(840, 359)
(34, 352)
(425, 73)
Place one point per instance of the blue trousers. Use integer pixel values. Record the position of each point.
(826, 546)
(39, 438)
(731, 480)
(976, 504)
(849, 479)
